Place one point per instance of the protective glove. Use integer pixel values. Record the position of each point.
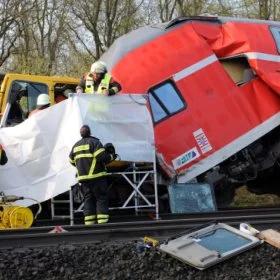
(109, 148)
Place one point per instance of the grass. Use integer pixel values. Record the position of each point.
(244, 198)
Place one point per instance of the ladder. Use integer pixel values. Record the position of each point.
(55, 202)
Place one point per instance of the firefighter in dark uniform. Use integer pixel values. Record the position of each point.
(90, 158)
(3, 156)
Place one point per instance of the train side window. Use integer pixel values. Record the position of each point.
(165, 101)
(275, 30)
(158, 112)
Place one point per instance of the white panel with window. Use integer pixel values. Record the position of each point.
(209, 245)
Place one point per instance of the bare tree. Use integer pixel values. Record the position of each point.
(262, 9)
(166, 9)
(169, 9)
(190, 8)
(66, 36)
(43, 33)
(10, 13)
(204, 7)
(105, 20)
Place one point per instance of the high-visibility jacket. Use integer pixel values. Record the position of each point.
(104, 84)
(3, 157)
(90, 158)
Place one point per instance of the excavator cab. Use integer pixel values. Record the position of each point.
(22, 100)
(19, 93)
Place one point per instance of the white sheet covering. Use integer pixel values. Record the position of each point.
(38, 149)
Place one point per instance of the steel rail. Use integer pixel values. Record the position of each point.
(79, 234)
(247, 215)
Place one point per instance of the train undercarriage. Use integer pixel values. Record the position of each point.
(256, 166)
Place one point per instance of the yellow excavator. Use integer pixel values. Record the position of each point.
(18, 97)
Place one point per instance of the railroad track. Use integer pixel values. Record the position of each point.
(167, 226)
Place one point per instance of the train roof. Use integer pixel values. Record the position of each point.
(140, 36)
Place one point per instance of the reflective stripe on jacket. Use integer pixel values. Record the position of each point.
(104, 84)
(90, 158)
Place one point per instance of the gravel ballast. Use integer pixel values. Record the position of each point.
(119, 260)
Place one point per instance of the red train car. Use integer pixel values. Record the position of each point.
(213, 88)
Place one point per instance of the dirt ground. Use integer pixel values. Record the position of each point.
(244, 198)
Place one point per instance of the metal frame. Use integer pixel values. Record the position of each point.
(61, 201)
(135, 194)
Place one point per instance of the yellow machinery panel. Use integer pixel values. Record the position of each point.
(15, 217)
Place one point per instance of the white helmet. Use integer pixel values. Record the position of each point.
(98, 67)
(43, 99)
(67, 92)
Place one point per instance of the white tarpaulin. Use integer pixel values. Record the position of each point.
(38, 166)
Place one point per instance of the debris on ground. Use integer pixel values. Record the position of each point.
(120, 260)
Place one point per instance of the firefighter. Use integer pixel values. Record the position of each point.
(3, 156)
(99, 80)
(43, 102)
(90, 158)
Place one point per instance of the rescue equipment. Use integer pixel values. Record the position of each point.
(109, 148)
(151, 241)
(13, 216)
